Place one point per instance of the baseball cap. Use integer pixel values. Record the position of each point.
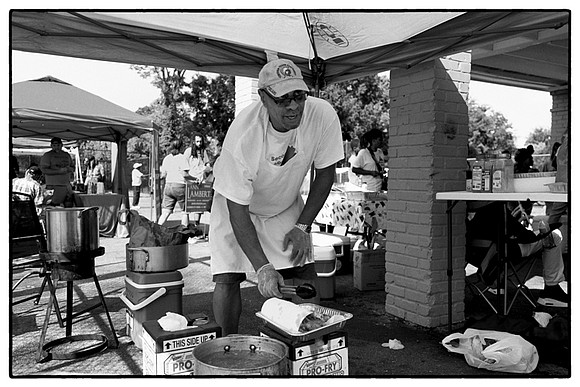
(280, 77)
(35, 171)
(137, 165)
(55, 140)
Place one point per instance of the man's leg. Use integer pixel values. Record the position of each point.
(227, 306)
(164, 215)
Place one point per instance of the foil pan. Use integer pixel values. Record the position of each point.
(315, 333)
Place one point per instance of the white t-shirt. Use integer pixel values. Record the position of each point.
(238, 163)
(173, 165)
(365, 161)
(136, 177)
(277, 144)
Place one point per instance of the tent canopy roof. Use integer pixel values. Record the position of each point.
(327, 46)
(48, 107)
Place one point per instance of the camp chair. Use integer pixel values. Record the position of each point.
(27, 239)
(483, 255)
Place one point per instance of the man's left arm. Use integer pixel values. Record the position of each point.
(300, 239)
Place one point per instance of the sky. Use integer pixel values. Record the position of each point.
(117, 83)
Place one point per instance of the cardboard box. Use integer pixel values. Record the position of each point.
(171, 353)
(369, 269)
(325, 356)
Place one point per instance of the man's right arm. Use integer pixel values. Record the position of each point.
(246, 234)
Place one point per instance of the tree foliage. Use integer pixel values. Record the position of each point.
(488, 130)
(361, 104)
(206, 104)
(541, 139)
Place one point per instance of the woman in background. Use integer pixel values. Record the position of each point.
(368, 163)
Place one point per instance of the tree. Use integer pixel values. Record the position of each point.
(361, 104)
(540, 138)
(212, 104)
(488, 130)
(168, 112)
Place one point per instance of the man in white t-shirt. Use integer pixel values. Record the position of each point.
(136, 181)
(258, 219)
(175, 171)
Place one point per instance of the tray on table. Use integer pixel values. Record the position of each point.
(315, 333)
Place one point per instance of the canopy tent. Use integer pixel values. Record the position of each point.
(49, 107)
(327, 46)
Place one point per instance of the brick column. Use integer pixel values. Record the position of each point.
(427, 154)
(560, 110)
(246, 92)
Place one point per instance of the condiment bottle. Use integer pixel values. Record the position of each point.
(477, 174)
(503, 174)
(487, 173)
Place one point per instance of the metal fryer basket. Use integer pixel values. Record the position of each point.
(315, 333)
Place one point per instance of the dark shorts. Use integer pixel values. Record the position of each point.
(173, 193)
(307, 272)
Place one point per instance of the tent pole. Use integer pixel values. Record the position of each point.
(154, 168)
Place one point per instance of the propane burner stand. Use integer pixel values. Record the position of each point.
(70, 267)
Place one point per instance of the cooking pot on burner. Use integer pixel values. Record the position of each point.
(72, 230)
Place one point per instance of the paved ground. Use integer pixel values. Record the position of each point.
(423, 355)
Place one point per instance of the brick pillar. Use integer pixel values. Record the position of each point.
(560, 109)
(246, 92)
(427, 154)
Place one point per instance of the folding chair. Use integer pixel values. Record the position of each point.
(483, 255)
(27, 239)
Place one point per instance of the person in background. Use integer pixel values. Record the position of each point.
(369, 162)
(175, 171)
(524, 161)
(550, 165)
(522, 242)
(355, 148)
(556, 210)
(30, 185)
(57, 167)
(258, 220)
(136, 181)
(199, 164)
(99, 171)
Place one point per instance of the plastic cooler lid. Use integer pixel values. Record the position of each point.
(154, 277)
(324, 253)
(327, 239)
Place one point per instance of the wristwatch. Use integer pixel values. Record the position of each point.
(304, 227)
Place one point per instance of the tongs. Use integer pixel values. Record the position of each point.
(303, 291)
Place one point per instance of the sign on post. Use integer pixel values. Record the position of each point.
(198, 197)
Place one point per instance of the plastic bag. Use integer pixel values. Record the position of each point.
(493, 350)
(145, 233)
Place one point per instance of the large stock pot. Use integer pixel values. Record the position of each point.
(72, 230)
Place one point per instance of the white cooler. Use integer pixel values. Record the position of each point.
(342, 247)
(325, 263)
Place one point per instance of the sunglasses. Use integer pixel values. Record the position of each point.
(298, 96)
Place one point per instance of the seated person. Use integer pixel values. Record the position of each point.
(30, 184)
(522, 242)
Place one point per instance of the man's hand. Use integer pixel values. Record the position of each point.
(301, 246)
(269, 281)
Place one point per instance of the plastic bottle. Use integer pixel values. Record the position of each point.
(503, 174)
(476, 174)
(487, 173)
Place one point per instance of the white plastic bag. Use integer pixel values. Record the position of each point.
(493, 350)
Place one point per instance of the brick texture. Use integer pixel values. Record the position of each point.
(427, 152)
(560, 113)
